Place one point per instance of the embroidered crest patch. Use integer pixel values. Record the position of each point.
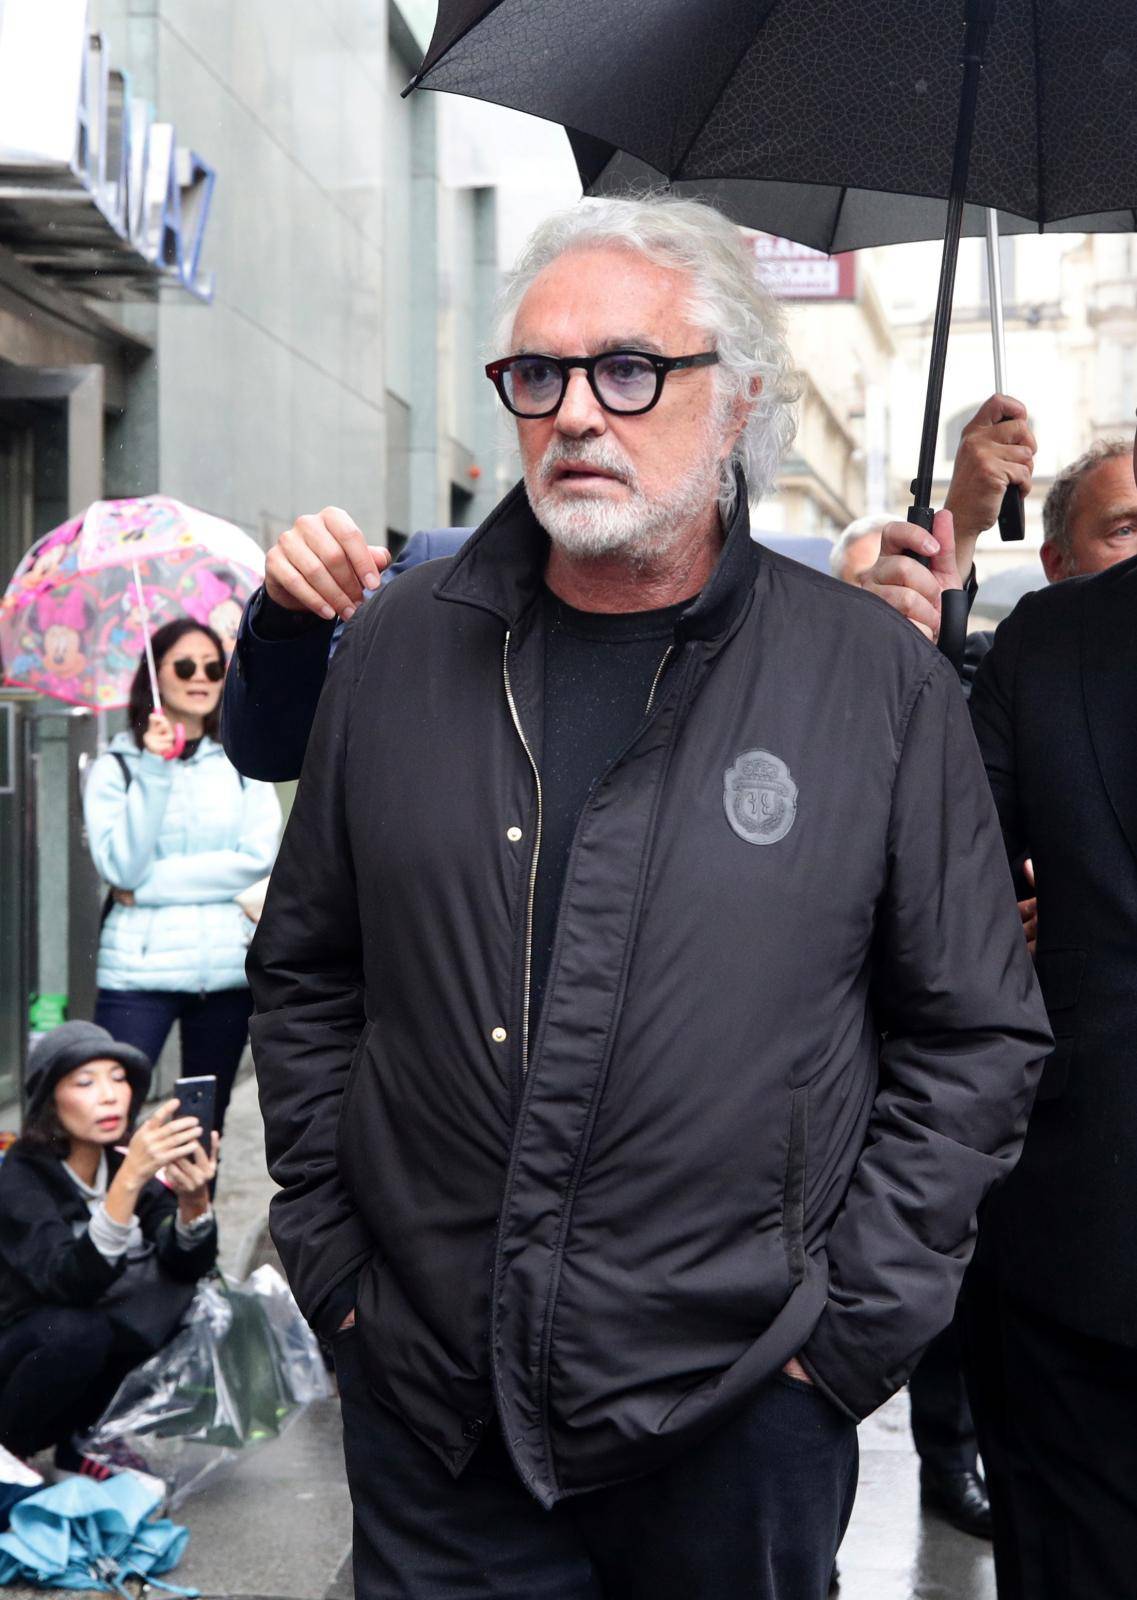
(760, 797)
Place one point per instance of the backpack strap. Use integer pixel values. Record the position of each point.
(127, 775)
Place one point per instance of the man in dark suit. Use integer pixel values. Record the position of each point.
(1050, 1309)
(996, 449)
(316, 574)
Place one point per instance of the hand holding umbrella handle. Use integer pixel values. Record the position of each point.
(179, 743)
(954, 605)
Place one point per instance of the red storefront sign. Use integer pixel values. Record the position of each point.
(795, 272)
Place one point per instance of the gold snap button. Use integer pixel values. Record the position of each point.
(499, 1036)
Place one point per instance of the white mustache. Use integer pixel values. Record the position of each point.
(589, 453)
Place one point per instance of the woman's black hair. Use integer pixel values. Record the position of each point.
(141, 702)
(44, 1133)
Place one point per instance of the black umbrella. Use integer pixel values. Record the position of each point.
(857, 115)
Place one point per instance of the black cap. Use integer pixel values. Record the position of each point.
(72, 1045)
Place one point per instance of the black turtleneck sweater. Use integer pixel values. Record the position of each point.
(599, 671)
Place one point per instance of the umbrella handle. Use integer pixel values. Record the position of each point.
(1012, 518)
(954, 604)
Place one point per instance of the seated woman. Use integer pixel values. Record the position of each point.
(98, 1259)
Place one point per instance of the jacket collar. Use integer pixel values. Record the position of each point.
(502, 565)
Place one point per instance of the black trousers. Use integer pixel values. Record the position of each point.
(59, 1369)
(943, 1429)
(1056, 1413)
(754, 1512)
(215, 1028)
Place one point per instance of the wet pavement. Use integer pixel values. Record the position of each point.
(277, 1525)
(892, 1550)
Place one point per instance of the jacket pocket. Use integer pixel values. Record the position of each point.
(793, 1191)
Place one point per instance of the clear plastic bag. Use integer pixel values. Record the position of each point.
(233, 1377)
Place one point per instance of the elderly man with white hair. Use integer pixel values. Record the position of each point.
(630, 1106)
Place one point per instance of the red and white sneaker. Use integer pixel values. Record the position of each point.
(71, 1462)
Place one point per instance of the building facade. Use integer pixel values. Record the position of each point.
(282, 316)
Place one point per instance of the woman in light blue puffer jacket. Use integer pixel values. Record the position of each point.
(178, 836)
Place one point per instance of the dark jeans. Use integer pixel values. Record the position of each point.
(59, 1369)
(943, 1430)
(215, 1028)
(1056, 1412)
(754, 1512)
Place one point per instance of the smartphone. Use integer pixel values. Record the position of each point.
(197, 1097)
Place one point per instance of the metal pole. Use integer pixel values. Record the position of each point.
(995, 295)
(979, 16)
(953, 602)
(1012, 518)
(151, 669)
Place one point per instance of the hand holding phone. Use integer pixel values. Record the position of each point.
(197, 1097)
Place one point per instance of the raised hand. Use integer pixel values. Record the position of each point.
(323, 564)
(907, 586)
(160, 1140)
(996, 449)
(191, 1176)
(160, 736)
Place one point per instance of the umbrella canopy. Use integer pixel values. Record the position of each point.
(788, 113)
(84, 1535)
(757, 98)
(824, 216)
(83, 601)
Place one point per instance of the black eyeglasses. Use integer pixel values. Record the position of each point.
(628, 382)
(186, 666)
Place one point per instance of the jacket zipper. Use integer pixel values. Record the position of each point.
(666, 657)
(532, 863)
(667, 654)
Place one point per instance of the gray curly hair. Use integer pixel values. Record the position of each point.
(728, 299)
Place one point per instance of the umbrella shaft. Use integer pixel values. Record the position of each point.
(144, 612)
(995, 297)
(974, 44)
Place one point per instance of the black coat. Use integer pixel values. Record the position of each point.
(710, 1162)
(42, 1259)
(1055, 711)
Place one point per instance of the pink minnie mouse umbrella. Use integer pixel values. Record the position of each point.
(82, 604)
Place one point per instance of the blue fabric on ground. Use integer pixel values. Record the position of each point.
(81, 1534)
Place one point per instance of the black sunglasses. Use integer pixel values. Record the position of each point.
(627, 382)
(186, 666)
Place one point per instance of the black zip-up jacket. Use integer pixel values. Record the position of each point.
(704, 1160)
(43, 1261)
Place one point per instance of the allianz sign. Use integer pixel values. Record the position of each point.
(94, 192)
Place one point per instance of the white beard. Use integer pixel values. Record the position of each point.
(640, 528)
